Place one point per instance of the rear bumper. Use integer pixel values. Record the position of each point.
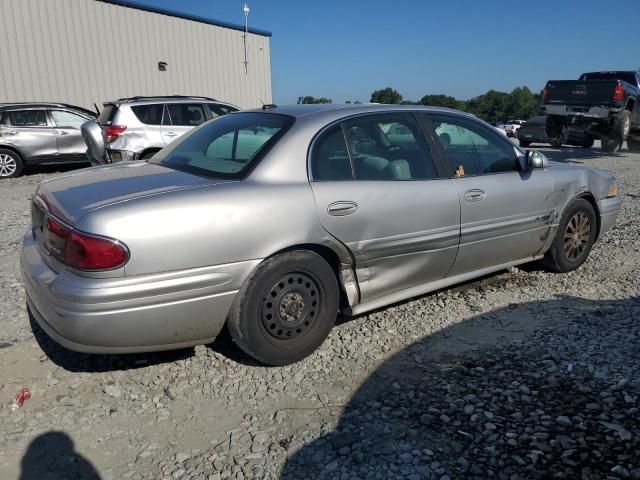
(129, 314)
(609, 209)
(596, 113)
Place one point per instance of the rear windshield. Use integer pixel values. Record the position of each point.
(628, 77)
(227, 147)
(107, 114)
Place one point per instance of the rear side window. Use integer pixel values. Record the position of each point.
(149, 114)
(330, 157)
(64, 119)
(226, 148)
(186, 114)
(107, 114)
(27, 118)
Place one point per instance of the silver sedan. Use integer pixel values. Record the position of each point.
(273, 221)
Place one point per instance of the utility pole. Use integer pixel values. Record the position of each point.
(244, 37)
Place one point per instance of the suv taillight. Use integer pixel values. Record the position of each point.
(114, 131)
(618, 93)
(82, 251)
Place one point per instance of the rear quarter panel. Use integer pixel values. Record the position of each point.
(214, 225)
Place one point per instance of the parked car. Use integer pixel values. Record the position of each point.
(272, 221)
(512, 127)
(534, 131)
(40, 133)
(605, 105)
(139, 127)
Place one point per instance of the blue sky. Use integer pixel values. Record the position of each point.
(346, 49)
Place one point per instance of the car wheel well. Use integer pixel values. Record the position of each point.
(630, 105)
(330, 256)
(590, 198)
(14, 150)
(148, 151)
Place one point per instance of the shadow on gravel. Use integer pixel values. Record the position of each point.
(55, 168)
(547, 406)
(84, 362)
(576, 155)
(52, 456)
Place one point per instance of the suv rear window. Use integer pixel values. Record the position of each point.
(226, 148)
(149, 114)
(107, 114)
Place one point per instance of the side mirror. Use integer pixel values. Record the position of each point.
(535, 159)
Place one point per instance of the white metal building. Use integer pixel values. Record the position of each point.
(90, 51)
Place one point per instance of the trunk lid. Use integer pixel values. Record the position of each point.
(581, 92)
(70, 196)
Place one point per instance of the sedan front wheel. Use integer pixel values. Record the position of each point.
(286, 308)
(575, 236)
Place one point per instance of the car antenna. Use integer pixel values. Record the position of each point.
(96, 107)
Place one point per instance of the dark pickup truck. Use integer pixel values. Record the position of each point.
(605, 105)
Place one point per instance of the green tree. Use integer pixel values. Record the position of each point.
(440, 101)
(386, 95)
(309, 99)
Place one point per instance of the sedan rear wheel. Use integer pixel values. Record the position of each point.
(575, 236)
(286, 309)
(10, 164)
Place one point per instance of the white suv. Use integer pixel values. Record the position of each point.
(137, 128)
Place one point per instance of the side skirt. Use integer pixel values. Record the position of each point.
(418, 290)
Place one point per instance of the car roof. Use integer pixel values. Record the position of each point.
(28, 105)
(146, 100)
(341, 110)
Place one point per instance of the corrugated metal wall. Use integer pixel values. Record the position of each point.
(85, 51)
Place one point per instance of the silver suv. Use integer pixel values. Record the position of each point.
(137, 128)
(40, 133)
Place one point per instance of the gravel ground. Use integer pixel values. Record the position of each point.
(523, 374)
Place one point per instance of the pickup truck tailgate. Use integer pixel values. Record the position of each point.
(576, 92)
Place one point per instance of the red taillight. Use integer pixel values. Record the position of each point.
(86, 252)
(545, 93)
(82, 251)
(114, 131)
(618, 93)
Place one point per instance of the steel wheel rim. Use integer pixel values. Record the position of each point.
(291, 306)
(8, 165)
(576, 236)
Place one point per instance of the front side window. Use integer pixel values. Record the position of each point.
(149, 114)
(186, 114)
(67, 119)
(472, 149)
(28, 118)
(226, 148)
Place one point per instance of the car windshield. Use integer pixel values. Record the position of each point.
(227, 147)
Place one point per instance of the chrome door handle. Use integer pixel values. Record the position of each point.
(62, 132)
(171, 134)
(475, 195)
(13, 132)
(342, 208)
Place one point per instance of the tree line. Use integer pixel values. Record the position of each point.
(493, 106)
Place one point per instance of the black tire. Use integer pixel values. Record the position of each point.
(574, 239)
(622, 125)
(557, 141)
(148, 155)
(609, 146)
(524, 143)
(588, 142)
(553, 126)
(11, 164)
(286, 308)
(633, 145)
